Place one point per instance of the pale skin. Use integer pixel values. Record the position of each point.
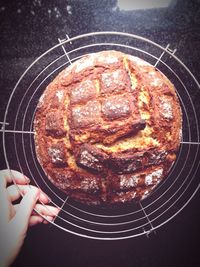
(16, 218)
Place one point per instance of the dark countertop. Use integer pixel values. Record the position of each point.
(28, 29)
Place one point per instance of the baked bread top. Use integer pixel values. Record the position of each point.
(108, 128)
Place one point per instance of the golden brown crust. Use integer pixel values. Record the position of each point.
(107, 129)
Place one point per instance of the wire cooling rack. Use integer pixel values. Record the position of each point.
(125, 221)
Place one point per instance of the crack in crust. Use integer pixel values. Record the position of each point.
(108, 128)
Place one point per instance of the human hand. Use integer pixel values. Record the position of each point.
(15, 218)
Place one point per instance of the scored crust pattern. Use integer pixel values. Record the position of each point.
(108, 128)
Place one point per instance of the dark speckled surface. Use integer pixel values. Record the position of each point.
(29, 28)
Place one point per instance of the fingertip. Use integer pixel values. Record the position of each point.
(35, 219)
(49, 199)
(53, 211)
(34, 193)
(43, 197)
(19, 177)
(48, 219)
(27, 179)
(57, 211)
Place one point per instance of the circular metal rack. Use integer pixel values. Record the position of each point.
(126, 221)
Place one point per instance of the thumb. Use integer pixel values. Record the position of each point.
(27, 204)
(19, 224)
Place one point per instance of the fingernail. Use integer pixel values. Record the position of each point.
(51, 219)
(48, 218)
(27, 179)
(44, 197)
(41, 219)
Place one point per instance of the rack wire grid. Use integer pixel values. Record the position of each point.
(126, 221)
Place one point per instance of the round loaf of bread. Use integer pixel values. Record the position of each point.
(108, 128)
